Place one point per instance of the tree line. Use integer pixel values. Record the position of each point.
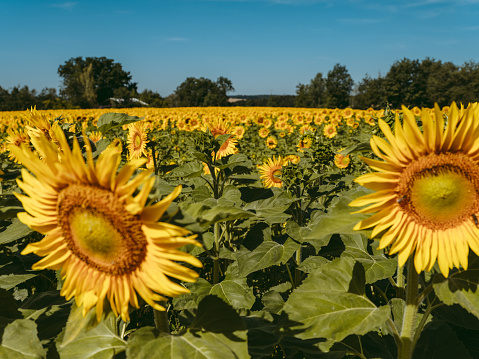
(94, 82)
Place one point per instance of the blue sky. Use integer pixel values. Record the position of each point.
(262, 46)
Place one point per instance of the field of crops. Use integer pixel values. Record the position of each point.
(240, 232)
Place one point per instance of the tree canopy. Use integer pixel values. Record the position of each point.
(92, 81)
(203, 92)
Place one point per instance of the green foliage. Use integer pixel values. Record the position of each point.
(91, 81)
(285, 275)
(203, 92)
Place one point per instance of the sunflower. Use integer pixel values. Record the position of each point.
(330, 131)
(16, 139)
(263, 132)
(271, 142)
(239, 132)
(427, 198)
(137, 140)
(219, 127)
(95, 136)
(270, 170)
(305, 142)
(109, 246)
(341, 161)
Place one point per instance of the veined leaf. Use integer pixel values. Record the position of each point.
(338, 219)
(235, 292)
(377, 267)
(86, 339)
(217, 332)
(267, 254)
(15, 231)
(111, 120)
(20, 341)
(12, 280)
(461, 287)
(327, 309)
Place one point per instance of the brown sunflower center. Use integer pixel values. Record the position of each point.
(440, 191)
(99, 230)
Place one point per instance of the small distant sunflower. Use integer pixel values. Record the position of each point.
(294, 159)
(219, 127)
(270, 172)
(330, 131)
(271, 142)
(109, 246)
(137, 140)
(427, 188)
(348, 112)
(305, 142)
(39, 125)
(263, 132)
(341, 161)
(239, 132)
(16, 139)
(95, 136)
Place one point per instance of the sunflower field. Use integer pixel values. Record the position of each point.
(240, 233)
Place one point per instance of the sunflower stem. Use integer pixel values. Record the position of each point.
(406, 347)
(216, 260)
(161, 319)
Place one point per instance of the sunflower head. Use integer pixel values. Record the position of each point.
(426, 198)
(270, 172)
(108, 243)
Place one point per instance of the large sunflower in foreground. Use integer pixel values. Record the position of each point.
(106, 242)
(427, 188)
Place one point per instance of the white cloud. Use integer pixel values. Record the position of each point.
(68, 5)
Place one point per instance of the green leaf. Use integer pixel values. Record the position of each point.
(460, 287)
(273, 302)
(198, 291)
(10, 206)
(438, 341)
(271, 209)
(15, 231)
(12, 280)
(216, 332)
(338, 219)
(188, 170)
(377, 267)
(49, 310)
(211, 211)
(214, 315)
(207, 345)
(235, 292)
(20, 341)
(111, 120)
(84, 338)
(312, 263)
(265, 255)
(327, 309)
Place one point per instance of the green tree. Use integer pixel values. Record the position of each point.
(406, 83)
(153, 99)
(466, 87)
(441, 83)
(339, 85)
(202, 92)
(371, 92)
(313, 94)
(92, 81)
